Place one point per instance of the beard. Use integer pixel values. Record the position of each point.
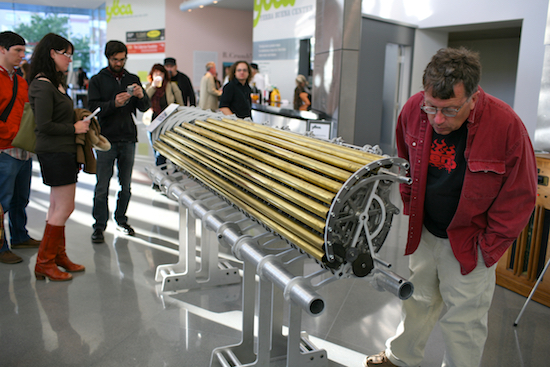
(116, 68)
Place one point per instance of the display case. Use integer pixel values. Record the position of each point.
(522, 264)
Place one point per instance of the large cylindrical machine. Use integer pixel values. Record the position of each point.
(276, 198)
(328, 199)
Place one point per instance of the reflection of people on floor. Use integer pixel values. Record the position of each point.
(54, 299)
(21, 327)
(119, 290)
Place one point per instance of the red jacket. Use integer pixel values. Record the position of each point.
(9, 129)
(500, 183)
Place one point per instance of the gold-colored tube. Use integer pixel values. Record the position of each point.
(296, 171)
(314, 143)
(281, 162)
(301, 237)
(283, 205)
(291, 195)
(290, 180)
(285, 149)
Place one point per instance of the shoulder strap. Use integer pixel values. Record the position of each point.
(7, 111)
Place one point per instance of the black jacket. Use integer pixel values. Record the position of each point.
(117, 123)
(187, 91)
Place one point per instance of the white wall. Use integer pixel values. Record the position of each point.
(429, 14)
(226, 33)
(277, 31)
(132, 16)
(499, 65)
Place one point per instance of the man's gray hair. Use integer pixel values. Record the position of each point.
(210, 65)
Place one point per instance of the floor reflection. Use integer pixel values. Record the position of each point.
(114, 315)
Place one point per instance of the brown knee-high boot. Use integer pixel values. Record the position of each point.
(45, 261)
(63, 260)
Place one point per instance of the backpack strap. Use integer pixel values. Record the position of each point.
(6, 113)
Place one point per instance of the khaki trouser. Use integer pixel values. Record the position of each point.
(435, 274)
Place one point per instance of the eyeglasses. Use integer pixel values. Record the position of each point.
(447, 111)
(241, 70)
(116, 61)
(70, 56)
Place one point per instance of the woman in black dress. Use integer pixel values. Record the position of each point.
(56, 150)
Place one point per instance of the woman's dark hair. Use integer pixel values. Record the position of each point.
(162, 69)
(449, 67)
(115, 47)
(234, 68)
(42, 62)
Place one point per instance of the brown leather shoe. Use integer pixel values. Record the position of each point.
(8, 257)
(379, 360)
(30, 243)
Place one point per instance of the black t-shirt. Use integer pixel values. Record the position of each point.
(445, 178)
(236, 97)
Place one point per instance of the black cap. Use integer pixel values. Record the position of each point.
(169, 61)
(254, 66)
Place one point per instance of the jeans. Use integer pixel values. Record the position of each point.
(159, 159)
(123, 153)
(15, 188)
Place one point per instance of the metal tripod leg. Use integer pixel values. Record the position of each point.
(532, 292)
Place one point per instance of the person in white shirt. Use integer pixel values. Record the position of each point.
(209, 94)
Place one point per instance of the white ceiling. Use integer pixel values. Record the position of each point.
(94, 4)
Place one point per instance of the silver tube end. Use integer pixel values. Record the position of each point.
(394, 283)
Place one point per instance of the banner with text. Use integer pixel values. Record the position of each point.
(140, 25)
(279, 25)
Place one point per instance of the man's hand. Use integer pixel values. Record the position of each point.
(122, 98)
(138, 91)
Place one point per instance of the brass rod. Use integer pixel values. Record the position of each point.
(285, 149)
(291, 195)
(287, 179)
(283, 205)
(297, 183)
(301, 237)
(325, 146)
(288, 167)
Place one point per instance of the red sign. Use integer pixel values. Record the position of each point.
(146, 48)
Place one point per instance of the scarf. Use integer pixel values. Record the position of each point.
(157, 97)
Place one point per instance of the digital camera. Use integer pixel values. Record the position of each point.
(130, 90)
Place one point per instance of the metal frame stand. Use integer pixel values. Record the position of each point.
(532, 292)
(266, 256)
(269, 347)
(185, 274)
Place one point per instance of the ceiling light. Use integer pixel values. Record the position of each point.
(194, 4)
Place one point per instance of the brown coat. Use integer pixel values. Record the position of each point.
(86, 142)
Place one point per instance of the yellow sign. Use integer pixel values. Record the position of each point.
(118, 9)
(153, 34)
(266, 5)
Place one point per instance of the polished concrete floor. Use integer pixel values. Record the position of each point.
(114, 314)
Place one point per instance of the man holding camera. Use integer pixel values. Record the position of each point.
(119, 94)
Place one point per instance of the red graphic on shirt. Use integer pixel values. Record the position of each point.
(443, 156)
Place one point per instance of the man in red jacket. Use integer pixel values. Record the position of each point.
(15, 163)
(474, 188)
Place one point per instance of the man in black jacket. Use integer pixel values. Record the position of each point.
(119, 94)
(182, 80)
